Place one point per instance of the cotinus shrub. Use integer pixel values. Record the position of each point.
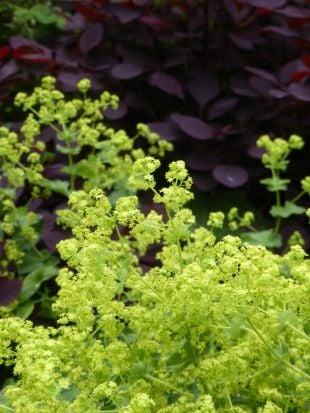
(210, 75)
(217, 325)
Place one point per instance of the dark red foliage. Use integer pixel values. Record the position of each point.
(217, 73)
(9, 290)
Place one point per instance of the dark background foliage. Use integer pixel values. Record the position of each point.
(209, 75)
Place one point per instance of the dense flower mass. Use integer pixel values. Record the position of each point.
(216, 325)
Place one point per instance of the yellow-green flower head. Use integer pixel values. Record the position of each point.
(48, 82)
(296, 142)
(216, 219)
(84, 85)
(305, 184)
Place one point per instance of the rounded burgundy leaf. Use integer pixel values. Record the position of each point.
(255, 152)
(166, 83)
(91, 37)
(241, 87)
(221, 106)
(200, 160)
(4, 51)
(154, 21)
(269, 77)
(54, 171)
(267, 4)
(299, 91)
(278, 93)
(9, 290)
(120, 112)
(203, 87)
(287, 71)
(166, 130)
(8, 69)
(242, 42)
(231, 176)
(261, 86)
(282, 31)
(122, 13)
(125, 71)
(295, 12)
(192, 126)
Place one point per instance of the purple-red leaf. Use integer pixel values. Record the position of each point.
(255, 152)
(91, 37)
(283, 31)
(4, 51)
(287, 71)
(231, 176)
(122, 13)
(221, 106)
(194, 127)
(9, 290)
(30, 51)
(299, 91)
(166, 83)
(201, 160)
(278, 93)
(261, 86)
(125, 71)
(242, 41)
(262, 74)
(203, 87)
(295, 12)
(166, 130)
(120, 112)
(154, 21)
(8, 69)
(241, 87)
(266, 4)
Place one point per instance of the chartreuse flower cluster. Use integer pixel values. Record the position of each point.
(276, 160)
(215, 326)
(101, 156)
(78, 124)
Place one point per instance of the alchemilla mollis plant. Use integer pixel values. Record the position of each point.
(276, 160)
(217, 325)
(92, 155)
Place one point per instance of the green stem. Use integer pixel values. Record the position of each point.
(70, 161)
(286, 363)
(7, 408)
(148, 376)
(297, 197)
(278, 204)
(178, 241)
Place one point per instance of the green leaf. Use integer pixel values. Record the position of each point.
(275, 184)
(71, 151)
(24, 310)
(33, 281)
(4, 404)
(285, 211)
(56, 185)
(268, 238)
(69, 394)
(34, 261)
